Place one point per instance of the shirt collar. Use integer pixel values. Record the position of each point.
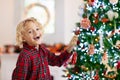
(25, 45)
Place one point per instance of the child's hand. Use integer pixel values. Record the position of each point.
(72, 43)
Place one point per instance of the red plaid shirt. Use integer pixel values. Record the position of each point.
(32, 64)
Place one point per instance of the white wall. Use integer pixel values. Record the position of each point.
(71, 16)
(66, 17)
(6, 21)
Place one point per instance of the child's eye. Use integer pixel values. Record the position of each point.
(37, 29)
(29, 31)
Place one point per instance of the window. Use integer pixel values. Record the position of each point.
(43, 10)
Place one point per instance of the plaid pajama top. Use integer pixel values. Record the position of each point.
(32, 64)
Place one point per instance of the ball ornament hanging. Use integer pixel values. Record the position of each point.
(77, 32)
(91, 2)
(78, 42)
(74, 58)
(118, 64)
(97, 39)
(68, 75)
(113, 1)
(111, 14)
(92, 28)
(104, 20)
(85, 23)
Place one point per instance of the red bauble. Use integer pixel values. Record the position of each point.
(91, 2)
(74, 58)
(113, 32)
(77, 32)
(118, 64)
(104, 20)
(92, 28)
(68, 75)
(96, 77)
(78, 42)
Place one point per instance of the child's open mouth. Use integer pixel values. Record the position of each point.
(37, 38)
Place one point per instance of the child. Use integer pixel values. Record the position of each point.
(33, 60)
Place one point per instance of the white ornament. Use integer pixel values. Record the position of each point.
(113, 1)
(116, 14)
(112, 15)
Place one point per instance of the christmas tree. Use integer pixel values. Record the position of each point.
(97, 54)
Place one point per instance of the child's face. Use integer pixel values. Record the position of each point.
(32, 34)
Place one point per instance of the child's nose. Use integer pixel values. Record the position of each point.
(35, 33)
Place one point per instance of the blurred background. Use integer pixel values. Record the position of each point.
(58, 18)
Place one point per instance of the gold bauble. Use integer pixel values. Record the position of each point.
(110, 24)
(96, 39)
(86, 69)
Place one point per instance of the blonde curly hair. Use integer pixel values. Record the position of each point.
(20, 29)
